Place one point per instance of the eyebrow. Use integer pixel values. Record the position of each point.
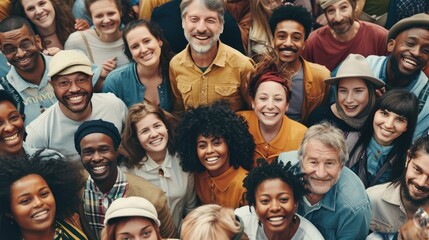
(144, 228)
(27, 193)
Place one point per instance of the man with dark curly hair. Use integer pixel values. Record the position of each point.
(290, 26)
(214, 143)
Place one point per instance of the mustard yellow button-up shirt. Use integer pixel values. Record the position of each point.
(226, 78)
(289, 137)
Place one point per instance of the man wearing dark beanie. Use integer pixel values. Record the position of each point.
(97, 142)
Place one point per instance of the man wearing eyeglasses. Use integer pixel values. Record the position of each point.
(394, 203)
(27, 77)
(71, 74)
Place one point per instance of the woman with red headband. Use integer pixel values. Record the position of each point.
(272, 130)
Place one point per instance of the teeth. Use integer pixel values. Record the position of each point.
(24, 60)
(78, 98)
(270, 114)
(409, 61)
(287, 52)
(201, 38)
(11, 138)
(99, 169)
(40, 214)
(212, 159)
(156, 141)
(274, 219)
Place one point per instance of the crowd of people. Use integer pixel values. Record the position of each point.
(213, 119)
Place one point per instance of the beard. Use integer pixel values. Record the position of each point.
(406, 194)
(335, 26)
(394, 63)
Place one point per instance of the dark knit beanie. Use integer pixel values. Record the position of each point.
(97, 126)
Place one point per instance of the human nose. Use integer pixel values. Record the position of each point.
(320, 171)
(423, 181)
(349, 97)
(270, 103)
(415, 51)
(74, 87)
(37, 202)
(20, 52)
(201, 26)
(338, 16)
(8, 127)
(210, 148)
(153, 133)
(38, 9)
(389, 122)
(274, 206)
(96, 157)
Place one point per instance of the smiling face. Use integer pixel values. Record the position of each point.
(144, 47)
(11, 129)
(289, 41)
(416, 185)
(73, 98)
(275, 205)
(23, 60)
(32, 204)
(152, 134)
(388, 126)
(340, 16)
(322, 167)
(409, 52)
(352, 95)
(105, 16)
(135, 228)
(213, 154)
(99, 157)
(270, 104)
(202, 27)
(40, 12)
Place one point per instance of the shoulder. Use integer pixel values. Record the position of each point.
(351, 191)
(141, 187)
(122, 73)
(234, 56)
(307, 231)
(318, 33)
(293, 125)
(317, 69)
(374, 28)
(74, 40)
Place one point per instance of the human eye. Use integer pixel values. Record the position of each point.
(278, 99)
(30, 9)
(263, 98)
(9, 50)
(98, 16)
(297, 37)
(342, 90)
(144, 130)
(87, 152)
(42, 3)
(26, 45)
(409, 43)
(193, 19)
(134, 46)
(264, 201)
(158, 125)
(63, 83)
(24, 201)
(383, 112)
(330, 11)
(281, 36)
(284, 199)
(201, 145)
(111, 13)
(147, 233)
(401, 119)
(417, 170)
(45, 193)
(425, 50)
(14, 117)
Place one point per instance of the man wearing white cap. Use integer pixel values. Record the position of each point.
(331, 44)
(408, 44)
(71, 75)
(28, 77)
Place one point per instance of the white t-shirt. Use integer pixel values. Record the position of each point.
(305, 231)
(54, 130)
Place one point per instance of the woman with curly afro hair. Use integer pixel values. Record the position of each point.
(272, 130)
(215, 145)
(39, 198)
(273, 194)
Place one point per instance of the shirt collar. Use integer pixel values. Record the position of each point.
(220, 59)
(20, 85)
(166, 166)
(222, 181)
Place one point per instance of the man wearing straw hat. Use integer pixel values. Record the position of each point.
(408, 44)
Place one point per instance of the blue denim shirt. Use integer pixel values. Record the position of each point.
(125, 84)
(344, 211)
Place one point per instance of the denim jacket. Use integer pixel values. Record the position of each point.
(344, 211)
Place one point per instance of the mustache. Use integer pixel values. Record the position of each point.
(288, 49)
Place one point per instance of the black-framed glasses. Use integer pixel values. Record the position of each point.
(66, 84)
(25, 46)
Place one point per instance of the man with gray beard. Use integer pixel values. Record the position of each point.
(393, 203)
(208, 70)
